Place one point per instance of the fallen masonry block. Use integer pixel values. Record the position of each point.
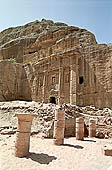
(108, 151)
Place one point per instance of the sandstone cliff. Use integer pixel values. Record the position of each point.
(13, 82)
(50, 52)
(14, 39)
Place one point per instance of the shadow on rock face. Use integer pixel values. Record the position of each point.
(41, 158)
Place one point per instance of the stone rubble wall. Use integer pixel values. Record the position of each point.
(43, 124)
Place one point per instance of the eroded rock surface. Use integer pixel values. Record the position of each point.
(13, 40)
(61, 64)
(13, 82)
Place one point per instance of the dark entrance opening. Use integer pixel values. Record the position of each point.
(81, 80)
(53, 100)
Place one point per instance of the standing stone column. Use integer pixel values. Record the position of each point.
(59, 127)
(23, 134)
(79, 128)
(92, 128)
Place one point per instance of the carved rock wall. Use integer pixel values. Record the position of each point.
(96, 67)
(54, 42)
(59, 61)
(13, 82)
(14, 48)
(51, 56)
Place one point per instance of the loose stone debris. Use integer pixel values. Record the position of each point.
(43, 123)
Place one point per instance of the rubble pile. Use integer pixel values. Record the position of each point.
(44, 119)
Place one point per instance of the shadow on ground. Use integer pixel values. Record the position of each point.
(41, 158)
(89, 140)
(74, 146)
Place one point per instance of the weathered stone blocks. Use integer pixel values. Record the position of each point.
(59, 127)
(59, 123)
(92, 128)
(22, 144)
(79, 128)
(70, 127)
(23, 135)
(108, 151)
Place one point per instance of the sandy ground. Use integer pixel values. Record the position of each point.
(73, 155)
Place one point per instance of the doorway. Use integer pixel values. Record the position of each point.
(53, 100)
(81, 80)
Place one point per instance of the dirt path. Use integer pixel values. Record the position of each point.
(73, 155)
